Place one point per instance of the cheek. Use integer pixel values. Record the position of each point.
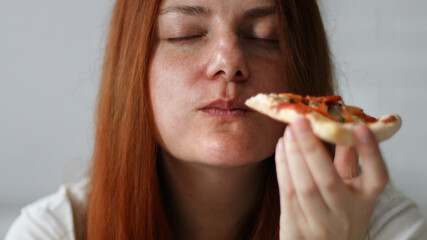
(173, 98)
(173, 73)
(163, 94)
(169, 80)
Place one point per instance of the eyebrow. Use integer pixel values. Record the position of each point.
(199, 10)
(187, 10)
(260, 12)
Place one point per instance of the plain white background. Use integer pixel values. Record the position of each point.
(51, 58)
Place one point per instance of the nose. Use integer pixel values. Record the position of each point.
(227, 59)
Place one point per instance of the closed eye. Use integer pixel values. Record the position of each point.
(182, 39)
(264, 40)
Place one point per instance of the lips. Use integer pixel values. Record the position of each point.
(226, 109)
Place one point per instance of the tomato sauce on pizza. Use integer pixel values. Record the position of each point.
(331, 119)
(332, 107)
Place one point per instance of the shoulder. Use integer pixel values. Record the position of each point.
(396, 216)
(51, 217)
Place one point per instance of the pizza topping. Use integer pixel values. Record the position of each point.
(336, 111)
(331, 119)
(389, 119)
(358, 112)
(331, 107)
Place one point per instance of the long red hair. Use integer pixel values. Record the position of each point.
(125, 200)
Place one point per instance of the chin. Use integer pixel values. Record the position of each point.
(233, 154)
(227, 162)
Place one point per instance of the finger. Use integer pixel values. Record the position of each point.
(374, 171)
(346, 162)
(311, 202)
(286, 188)
(290, 210)
(319, 162)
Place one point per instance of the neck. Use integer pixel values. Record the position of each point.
(207, 202)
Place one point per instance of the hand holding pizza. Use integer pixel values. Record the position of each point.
(316, 201)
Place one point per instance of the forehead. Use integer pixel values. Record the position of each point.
(212, 7)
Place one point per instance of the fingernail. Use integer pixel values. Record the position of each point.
(279, 144)
(362, 133)
(289, 135)
(302, 126)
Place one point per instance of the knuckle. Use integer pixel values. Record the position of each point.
(308, 190)
(380, 184)
(288, 192)
(309, 145)
(330, 185)
(291, 147)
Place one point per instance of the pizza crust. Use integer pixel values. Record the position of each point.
(342, 133)
(323, 127)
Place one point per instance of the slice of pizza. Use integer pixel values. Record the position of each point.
(330, 118)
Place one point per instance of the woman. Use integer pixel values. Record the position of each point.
(179, 156)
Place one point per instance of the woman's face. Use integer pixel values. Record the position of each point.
(210, 56)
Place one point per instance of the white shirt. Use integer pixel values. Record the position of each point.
(395, 216)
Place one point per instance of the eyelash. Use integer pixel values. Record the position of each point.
(182, 39)
(264, 40)
(188, 38)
